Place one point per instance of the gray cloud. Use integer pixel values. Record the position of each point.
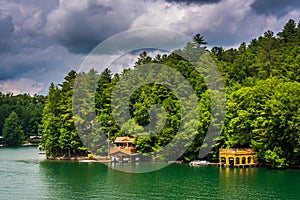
(68, 24)
(43, 40)
(261, 7)
(80, 28)
(6, 33)
(275, 7)
(6, 25)
(25, 21)
(46, 65)
(22, 39)
(222, 22)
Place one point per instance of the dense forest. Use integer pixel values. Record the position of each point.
(262, 83)
(20, 117)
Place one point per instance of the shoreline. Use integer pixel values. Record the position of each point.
(95, 160)
(86, 159)
(77, 159)
(105, 160)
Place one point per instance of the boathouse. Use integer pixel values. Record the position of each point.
(237, 157)
(124, 150)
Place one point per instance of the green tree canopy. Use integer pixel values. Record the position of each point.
(12, 131)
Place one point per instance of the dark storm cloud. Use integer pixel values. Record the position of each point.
(79, 40)
(21, 27)
(275, 7)
(81, 29)
(43, 40)
(82, 26)
(15, 66)
(6, 33)
(23, 43)
(6, 25)
(261, 7)
(44, 66)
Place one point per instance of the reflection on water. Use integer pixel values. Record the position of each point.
(88, 180)
(71, 179)
(25, 176)
(234, 182)
(259, 183)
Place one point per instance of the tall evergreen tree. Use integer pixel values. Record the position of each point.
(12, 130)
(199, 39)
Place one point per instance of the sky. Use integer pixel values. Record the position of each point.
(41, 41)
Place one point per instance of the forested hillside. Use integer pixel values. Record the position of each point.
(20, 117)
(263, 96)
(262, 89)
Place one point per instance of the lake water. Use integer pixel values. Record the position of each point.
(25, 175)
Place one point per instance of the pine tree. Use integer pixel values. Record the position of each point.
(12, 131)
(50, 122)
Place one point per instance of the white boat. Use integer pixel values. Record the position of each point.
(41, 150)
(199, 163)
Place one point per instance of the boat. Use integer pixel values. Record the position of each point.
(41, 150)
(199, 163)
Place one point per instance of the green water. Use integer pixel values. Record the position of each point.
(24, 175)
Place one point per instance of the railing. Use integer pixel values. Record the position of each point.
(237, 150)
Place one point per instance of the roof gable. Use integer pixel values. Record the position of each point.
(124, 140)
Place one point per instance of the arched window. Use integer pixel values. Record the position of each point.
(231, 161)
(237, 160)
(249, 160)
(243, 160)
